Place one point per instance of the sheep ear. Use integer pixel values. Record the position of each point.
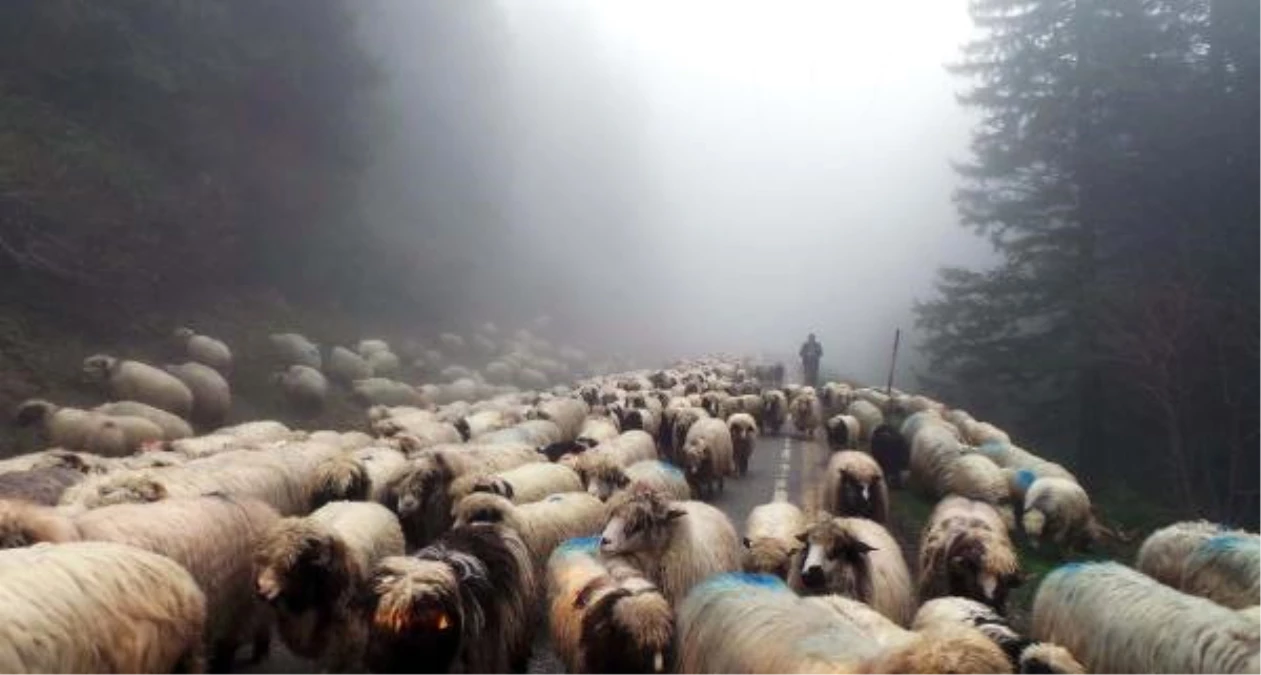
(803, 537)
(746, 542)
(675, 513)
(508, 491)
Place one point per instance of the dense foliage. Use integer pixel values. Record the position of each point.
(1115, 169)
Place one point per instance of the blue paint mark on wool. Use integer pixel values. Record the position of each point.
(580, 545)
(1233, 542)
(1025, 478)
(670, 468)
(738, 580)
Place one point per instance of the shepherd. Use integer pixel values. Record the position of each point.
(811, 352)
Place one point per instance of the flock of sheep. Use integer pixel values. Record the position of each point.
(467, 516)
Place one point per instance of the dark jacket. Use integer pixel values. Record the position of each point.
(811, 351)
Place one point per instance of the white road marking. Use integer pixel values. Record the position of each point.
(785, 468)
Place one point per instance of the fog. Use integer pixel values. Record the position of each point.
(667, 179)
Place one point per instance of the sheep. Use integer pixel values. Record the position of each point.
(383, 363)
(212, 397)
(1118, 620)
(173, 426)
(974, 476)
(1164, 553)
(980, 433)
(965, 550)
(603, 620)
(462, 604)
(682, 424)
(771, 538)
(568, 414)
(420, 494)
(624, 450)
(1025, 655)
(857, 558)
(369, 346)
(933, 449)
(596, 430)
(707, 457)
(38, 486)
(383, 465)
(543, 525)
(304, 388)
(892, 453)
(843, 432)
(135, 381)
(648, 420)
(383, 391)
(205, 349)
(293, 349)
(210, 536)
(1057, 509)
(98, 607)
(743, 429)
(1224, 569)
(521, 485)
(606, 477)
(676, 544)
(482, 422)
(806, 412)
(452, 343)
(345, 366)
(854, 485)
(314, 571)
(774, 411)
(869, 417)
(752, 623)
(97, 433)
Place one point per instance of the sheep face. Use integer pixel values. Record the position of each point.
(299, 567)
(628, 630)
(98, 368)
(494, 485)
(835, 562)
(605, 479)
(769, 555)
(481, 508)
(858, 497)
(640, 523)
(969, 576)
(1034, 521)
(415, 610)
(32, 412)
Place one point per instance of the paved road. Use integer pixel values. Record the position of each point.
(776, 471)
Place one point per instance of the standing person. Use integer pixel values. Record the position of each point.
(811, 353)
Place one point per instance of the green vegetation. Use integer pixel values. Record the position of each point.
(1115, 170)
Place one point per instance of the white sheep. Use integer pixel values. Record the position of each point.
(212, 396)
(1058, 509)
(676, 544)
(752, 623)
(771, 538)
(521, 485)
(135, 381)
(542, 525)
(844, 432)
(383, 391)
(606, 477)
(303, 387)
(605, 620)
(1118, 620)
(66, 605)
(965, 550)
(854, 485)
(1163, 554)
(205, 349)
(345, 366)
(707, 456)
(857, 558)
(314, 571)
(744, 433)
(869, 417)
(93, 432)
(173, 426)
(295, 349)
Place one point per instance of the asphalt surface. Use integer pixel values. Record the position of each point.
(782, 467)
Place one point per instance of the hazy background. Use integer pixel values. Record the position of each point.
(671, 179)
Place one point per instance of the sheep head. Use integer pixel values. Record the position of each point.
(834, 561)
(493, 485)
(300, 564)
(24, 524)
(99, 367)
(770, 555)
(415, 608)
(695, 457)
(183, 334)
(604, 478)
(859, 494)
(981, 568)
(33, 411)
(639, 521)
